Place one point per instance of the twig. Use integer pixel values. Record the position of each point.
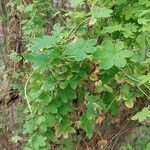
(25, 92)
(2, 95)
(100, 135)
(86, 145)
(116, 135)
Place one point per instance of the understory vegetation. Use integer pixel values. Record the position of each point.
(83, 63)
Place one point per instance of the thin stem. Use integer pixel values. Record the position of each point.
(73, 30)
(136, 80)
(111, 103)
(142, 91)
(25, 92)
(130, 76)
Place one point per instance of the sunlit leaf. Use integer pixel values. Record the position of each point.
(75, 3)
(103, 12)
(142, 115)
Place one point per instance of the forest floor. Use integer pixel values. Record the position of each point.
(114, 131)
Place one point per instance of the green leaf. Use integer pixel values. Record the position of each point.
(39, 141)
(50, 120)
(103, 12)
(143, 21)
(29, 8)
(119, 46)
(87, 120)
(89, 46)
(125, 53)
(80, 56)
(16, 138)
(73, 84)
(45, 98)
(65, 108)
(108, 88)
(100, 87)
(83, 74)
(114, 108)
(148, 146)
(93, 77)
(111, 54)
(68, 144)
(108, 44)
(142, 115)
(87, 125)
(57, 29)
(48, 85)
(129, 30)
(52, 107)
(107, 62)
(64, 127)
(144, 78)
(29, 126)
(67, 94)
(119, 61)
(63, 85)
(128, 12)
(55, 53)
(64, 98)
(129, 103)
(75, 3)
(137, 57)
(120, 2)
(112, 28)
(81, 49)
(40, 119)
(40, 60)
(71, 94)
(79, 16)
(42, 43)
(15, 57)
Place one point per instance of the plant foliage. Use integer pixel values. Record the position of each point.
(96, 60)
